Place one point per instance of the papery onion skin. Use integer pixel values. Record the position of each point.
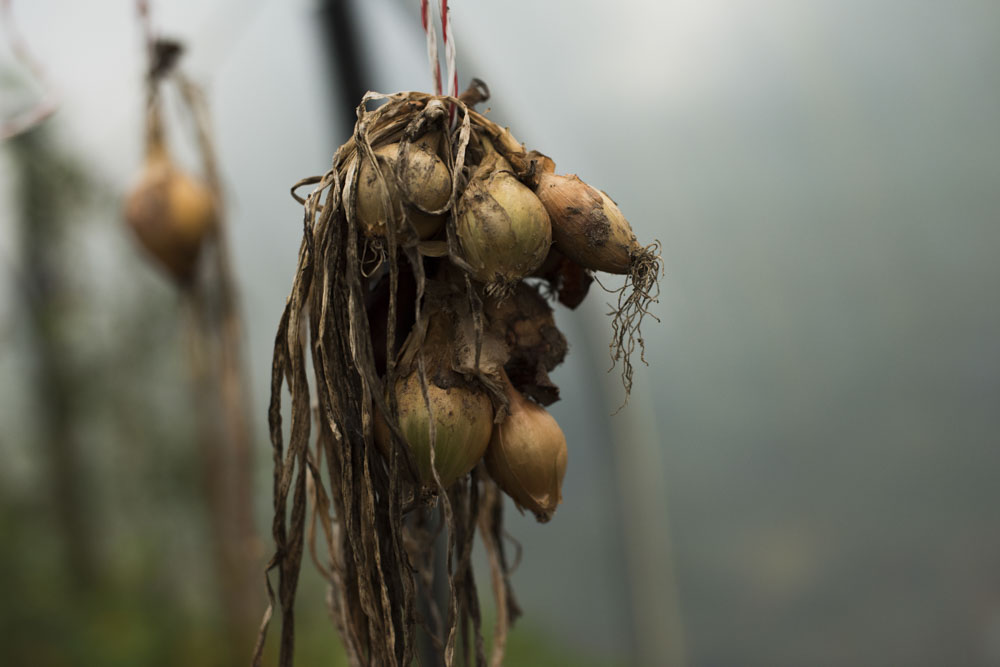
(463, 422)
(171, 214)
(527, 456)
(426, 184)
(587, 226)
(567, 280)
(525, 322)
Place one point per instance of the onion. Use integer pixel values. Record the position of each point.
(170, 212)
(527, 456)
(503, 230)
(586, 225)
(424, 185)
(460, 410)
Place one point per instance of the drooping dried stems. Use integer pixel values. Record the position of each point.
(491, 531)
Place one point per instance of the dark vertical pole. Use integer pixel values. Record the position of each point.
(349, 80)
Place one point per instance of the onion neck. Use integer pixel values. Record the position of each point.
(156, 145)
(493, 162)
(517, 400)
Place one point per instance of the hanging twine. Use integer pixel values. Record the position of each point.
(449, 49)
(449, 56)
(448, 36)
(432, 50)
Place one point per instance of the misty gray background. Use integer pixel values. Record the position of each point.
(808, 471)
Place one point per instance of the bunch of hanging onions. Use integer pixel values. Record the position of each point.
(432, 247)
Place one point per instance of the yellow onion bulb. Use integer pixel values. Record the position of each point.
(424, 185)
(527, 456)
(503, 230)
(587, 226)
(171, 213)
(463, 422)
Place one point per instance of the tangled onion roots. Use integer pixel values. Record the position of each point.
(641, 288)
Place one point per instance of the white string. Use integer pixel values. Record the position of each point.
(432, 52)
(449, 45)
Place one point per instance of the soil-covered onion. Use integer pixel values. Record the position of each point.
(424, 185)
(503, 230)
(587, 226)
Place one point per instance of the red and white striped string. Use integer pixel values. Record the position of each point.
(449, 49)
(432, 48)
(448, 36)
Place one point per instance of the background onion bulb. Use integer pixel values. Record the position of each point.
(503, 230)
(463, 421)
(527, 456)
(425, 184)
(170, 212)
(586, 225)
